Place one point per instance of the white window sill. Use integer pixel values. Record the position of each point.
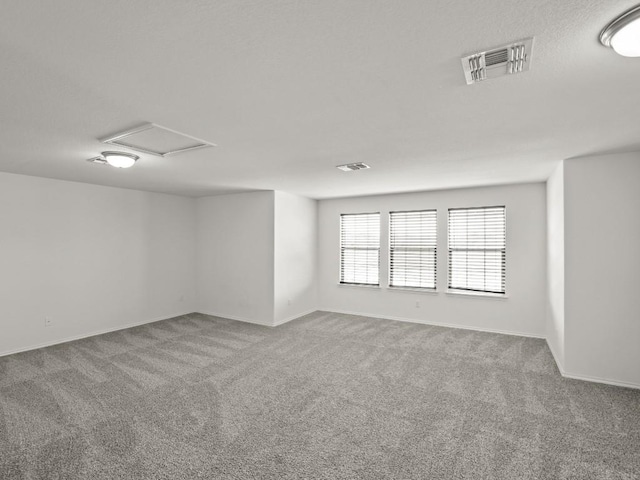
(468, 293)
(356, 285)
(429, 291)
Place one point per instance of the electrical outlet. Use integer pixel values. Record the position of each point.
(48, 321)
(289, 302)
(417, 304)
(182, 298)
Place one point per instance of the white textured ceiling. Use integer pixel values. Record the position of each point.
(289, 89)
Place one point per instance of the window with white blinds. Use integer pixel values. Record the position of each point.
(412, 249)
(360, 249)
(477, 249)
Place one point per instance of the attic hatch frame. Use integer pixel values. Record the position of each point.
(118, 137)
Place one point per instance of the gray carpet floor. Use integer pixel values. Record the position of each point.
(326, 396)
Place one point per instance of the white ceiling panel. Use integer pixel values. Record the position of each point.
(289, 89)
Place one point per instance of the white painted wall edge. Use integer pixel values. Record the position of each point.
(92, 334)
(436, 324)
(565, 374)
(555, 357)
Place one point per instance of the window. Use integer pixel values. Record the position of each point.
(412, 249)
(360, 249)
(477, 249)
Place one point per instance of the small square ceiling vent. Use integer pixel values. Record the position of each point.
(498, 62)
(351, 167)
(156, 140)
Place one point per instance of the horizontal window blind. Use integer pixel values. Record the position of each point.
(360, 249)
(412, 249)
(477, 249)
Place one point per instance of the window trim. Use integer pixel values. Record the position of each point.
(340, 253)
(435, 254)
(477, 292)
(420, 290)
(474, 293)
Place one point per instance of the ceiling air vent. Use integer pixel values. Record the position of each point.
(350, 167)
(498, 62)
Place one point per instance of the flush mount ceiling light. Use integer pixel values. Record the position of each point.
(623, 34)
(120, 159)
(115, 159)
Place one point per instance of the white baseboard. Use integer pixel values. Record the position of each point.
(560, 366)
(606, 381)
(92, 334)
(564, 373)
(257, 322)
(587, 378)
(294, 317)
(238, 319)
(555, 358)
(438, 324)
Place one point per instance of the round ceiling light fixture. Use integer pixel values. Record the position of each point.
(623, 33)
(120, 159)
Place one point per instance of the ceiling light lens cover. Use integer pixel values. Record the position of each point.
(627, 41)
(623, 34)
(120, 159)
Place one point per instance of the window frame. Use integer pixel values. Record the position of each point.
(417, 249)
(503, 257)
(342, 249)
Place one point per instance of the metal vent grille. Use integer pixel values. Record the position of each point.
(498, 62)
(496, 57)
(350, 167)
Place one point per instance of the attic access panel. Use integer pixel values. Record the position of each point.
(156, 140)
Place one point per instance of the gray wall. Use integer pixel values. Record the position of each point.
(235, 251)
(522, 312)
(555, 264)
(91, 258)
(602, 269)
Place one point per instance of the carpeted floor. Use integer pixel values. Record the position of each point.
(326, 396)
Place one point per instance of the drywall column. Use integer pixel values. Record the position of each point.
(235, 251)
(296, 231)
(555, 264)
(602, 268)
